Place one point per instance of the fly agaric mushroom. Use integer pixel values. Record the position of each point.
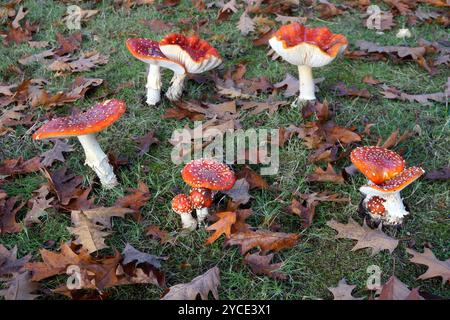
(84, 126)
(307, 48)
(182, 205)
(201, 199)
(207, 175)
(387, 177)
(148, 51)
(195, 54)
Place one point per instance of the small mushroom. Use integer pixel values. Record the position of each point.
(207, 175)
(387, 177)
(148, 51)
(182, 205)
(84, 126)
(195, 54)
(201, 199)
(307, 48)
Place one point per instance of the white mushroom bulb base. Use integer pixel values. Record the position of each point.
(394, 208)
(188, 222)
(153, 85)
(98, 161)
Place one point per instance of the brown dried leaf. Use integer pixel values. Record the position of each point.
(328, 175)
(245, 24)
(436, 268)
(222, 226)
(394, 289)
(56, 153)
(264, 239)
(135, 200)
(201, 285)
(343, 291)
(12, 167)
(145, 142)
(260, 264)
(376, 239)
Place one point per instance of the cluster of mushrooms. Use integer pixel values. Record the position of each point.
(304, 47)
(205, 176)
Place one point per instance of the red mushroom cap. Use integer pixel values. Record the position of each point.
(377, 164)
(195, 54)
(295, 33)
(149, 51)
(375, 206)
(208, 173)
(400, 181)
(201, 198)
(181, 204)
(93, 120)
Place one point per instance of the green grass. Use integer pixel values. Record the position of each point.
(318, 261)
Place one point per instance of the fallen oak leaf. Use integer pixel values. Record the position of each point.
(56, 153)
(20, 287)
(245, 24)
(239, 193)
(376, 239)
(64, 184)
(135, 200)
(201, 285)
(253, 178)
(436, 268)
(12, 167)
(343, 291)
(145, 142)
(260, 264)
(393, 93)
(343, 90)
(394, 289)
(9, 264)
(264, 239)
(39, 204)
(131, 254)
(157, 233)
(8, 211)
(328, 175)
(222, 226)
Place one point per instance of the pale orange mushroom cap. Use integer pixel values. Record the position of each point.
(94, 120)
(208, 173)
(181, 204)
(376, 163)
(144, 49)
(295, 34)
(400, 181)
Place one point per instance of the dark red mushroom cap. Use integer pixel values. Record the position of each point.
(377, 164)
(93, 120)
(201, 198)
(375, 206)
(181, 204)
(208, 173)
(400, 181)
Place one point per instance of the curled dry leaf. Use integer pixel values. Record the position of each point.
(260, 264)
(9, 264)
(157, 233)
(328, 175)
(64, 184)
(239, 193)
(39, 204)
(145, 142)
(131, 254)
(201, 285)
(12, 167)
(376, 239)
(56, 153)
(135, 200)
(436, 267)
(20, 287)
(9, 207)
(425, 99)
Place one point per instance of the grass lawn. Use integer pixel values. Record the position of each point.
(318, 260)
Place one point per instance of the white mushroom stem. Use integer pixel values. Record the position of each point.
(306, 83)
(176, 88)
(188, 221)
(153, 85)
(395, 209)
(98, 161)
(202, 213)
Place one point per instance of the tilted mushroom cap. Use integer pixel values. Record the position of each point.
(314, 47)
(181, 204)
(93, 120)
(209, 174)
(148, 51)
(377, 164)
(195, 54)
(375, 206)
(201, 198)
(400, 181)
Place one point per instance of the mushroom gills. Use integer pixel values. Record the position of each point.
(98, 161)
